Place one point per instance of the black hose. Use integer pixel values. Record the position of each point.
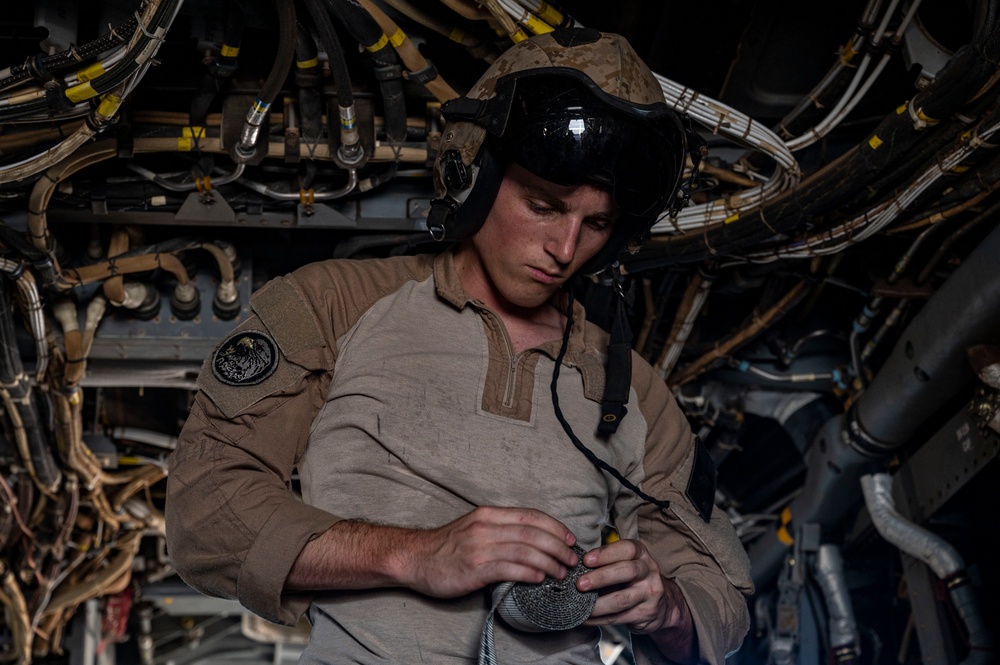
(309, 78)
(334, 53)
(286, 52)
(41, 67)
(61, 99)
(225, 64)
(388, 69)
(17, 385)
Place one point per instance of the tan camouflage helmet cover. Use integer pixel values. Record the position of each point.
(610, 62)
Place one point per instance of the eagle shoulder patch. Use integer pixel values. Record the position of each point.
(245, 359)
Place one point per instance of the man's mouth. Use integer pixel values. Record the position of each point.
(545, 276)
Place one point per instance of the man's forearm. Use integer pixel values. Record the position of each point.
(350, 555)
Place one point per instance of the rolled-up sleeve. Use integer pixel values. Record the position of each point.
(235, 525)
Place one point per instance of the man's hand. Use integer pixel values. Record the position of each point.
(634, 594)
(486, 546)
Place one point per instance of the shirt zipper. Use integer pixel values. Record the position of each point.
(508, 395)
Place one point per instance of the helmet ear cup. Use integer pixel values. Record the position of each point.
(453, 219)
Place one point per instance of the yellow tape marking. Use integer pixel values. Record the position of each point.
(549, 14)
(875, 142)
(90, 73)
(229, 51)
(397, 38)
(457, 35)
(307, 64)
(536, 25)
(109, 105)
(80, 93)
(379, 45)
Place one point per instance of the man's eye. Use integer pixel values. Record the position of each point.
(539, 208)
(598, 224)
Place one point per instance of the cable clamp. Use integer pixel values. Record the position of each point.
(425, 75)
(389, 72)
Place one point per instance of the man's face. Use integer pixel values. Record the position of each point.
(535, 237)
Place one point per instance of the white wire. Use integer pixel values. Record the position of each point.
(875, 219)
(850, 99)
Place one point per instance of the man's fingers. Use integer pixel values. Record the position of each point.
(527, 517)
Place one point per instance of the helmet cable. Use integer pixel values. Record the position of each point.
(589, 454)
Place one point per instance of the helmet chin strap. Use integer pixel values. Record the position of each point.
(618, 376)
(616, 385)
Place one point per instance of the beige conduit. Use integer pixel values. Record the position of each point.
(114, 287)
(226, 273)
(111, 579)
(454, 34)
(651, 314)
(110, 102)
(71, 277)
(691, 304)
(12, 600)
(408, 53)
(42, 192)
(18, 140)
(472, 12)
(761, 322)
(145, 476)
(945, 214)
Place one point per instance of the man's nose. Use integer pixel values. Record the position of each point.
(562, 243)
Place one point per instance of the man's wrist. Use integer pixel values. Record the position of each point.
(676, 637)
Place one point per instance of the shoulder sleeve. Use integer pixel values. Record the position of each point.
(704, 556)
(234, 525)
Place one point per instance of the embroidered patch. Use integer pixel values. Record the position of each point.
(245, 359)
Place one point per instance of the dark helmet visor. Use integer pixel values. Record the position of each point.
(561, 129)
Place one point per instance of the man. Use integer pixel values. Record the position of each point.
(439, 451)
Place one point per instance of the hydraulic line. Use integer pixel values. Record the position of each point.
(829, 573)
(350, 151)
(928, 367)
(225, 64)
(420, 69)
(305, 196)
(210, 86)
(287, 27)
(388, 71)
(939, 555)
(309, 79)
(199, 184)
